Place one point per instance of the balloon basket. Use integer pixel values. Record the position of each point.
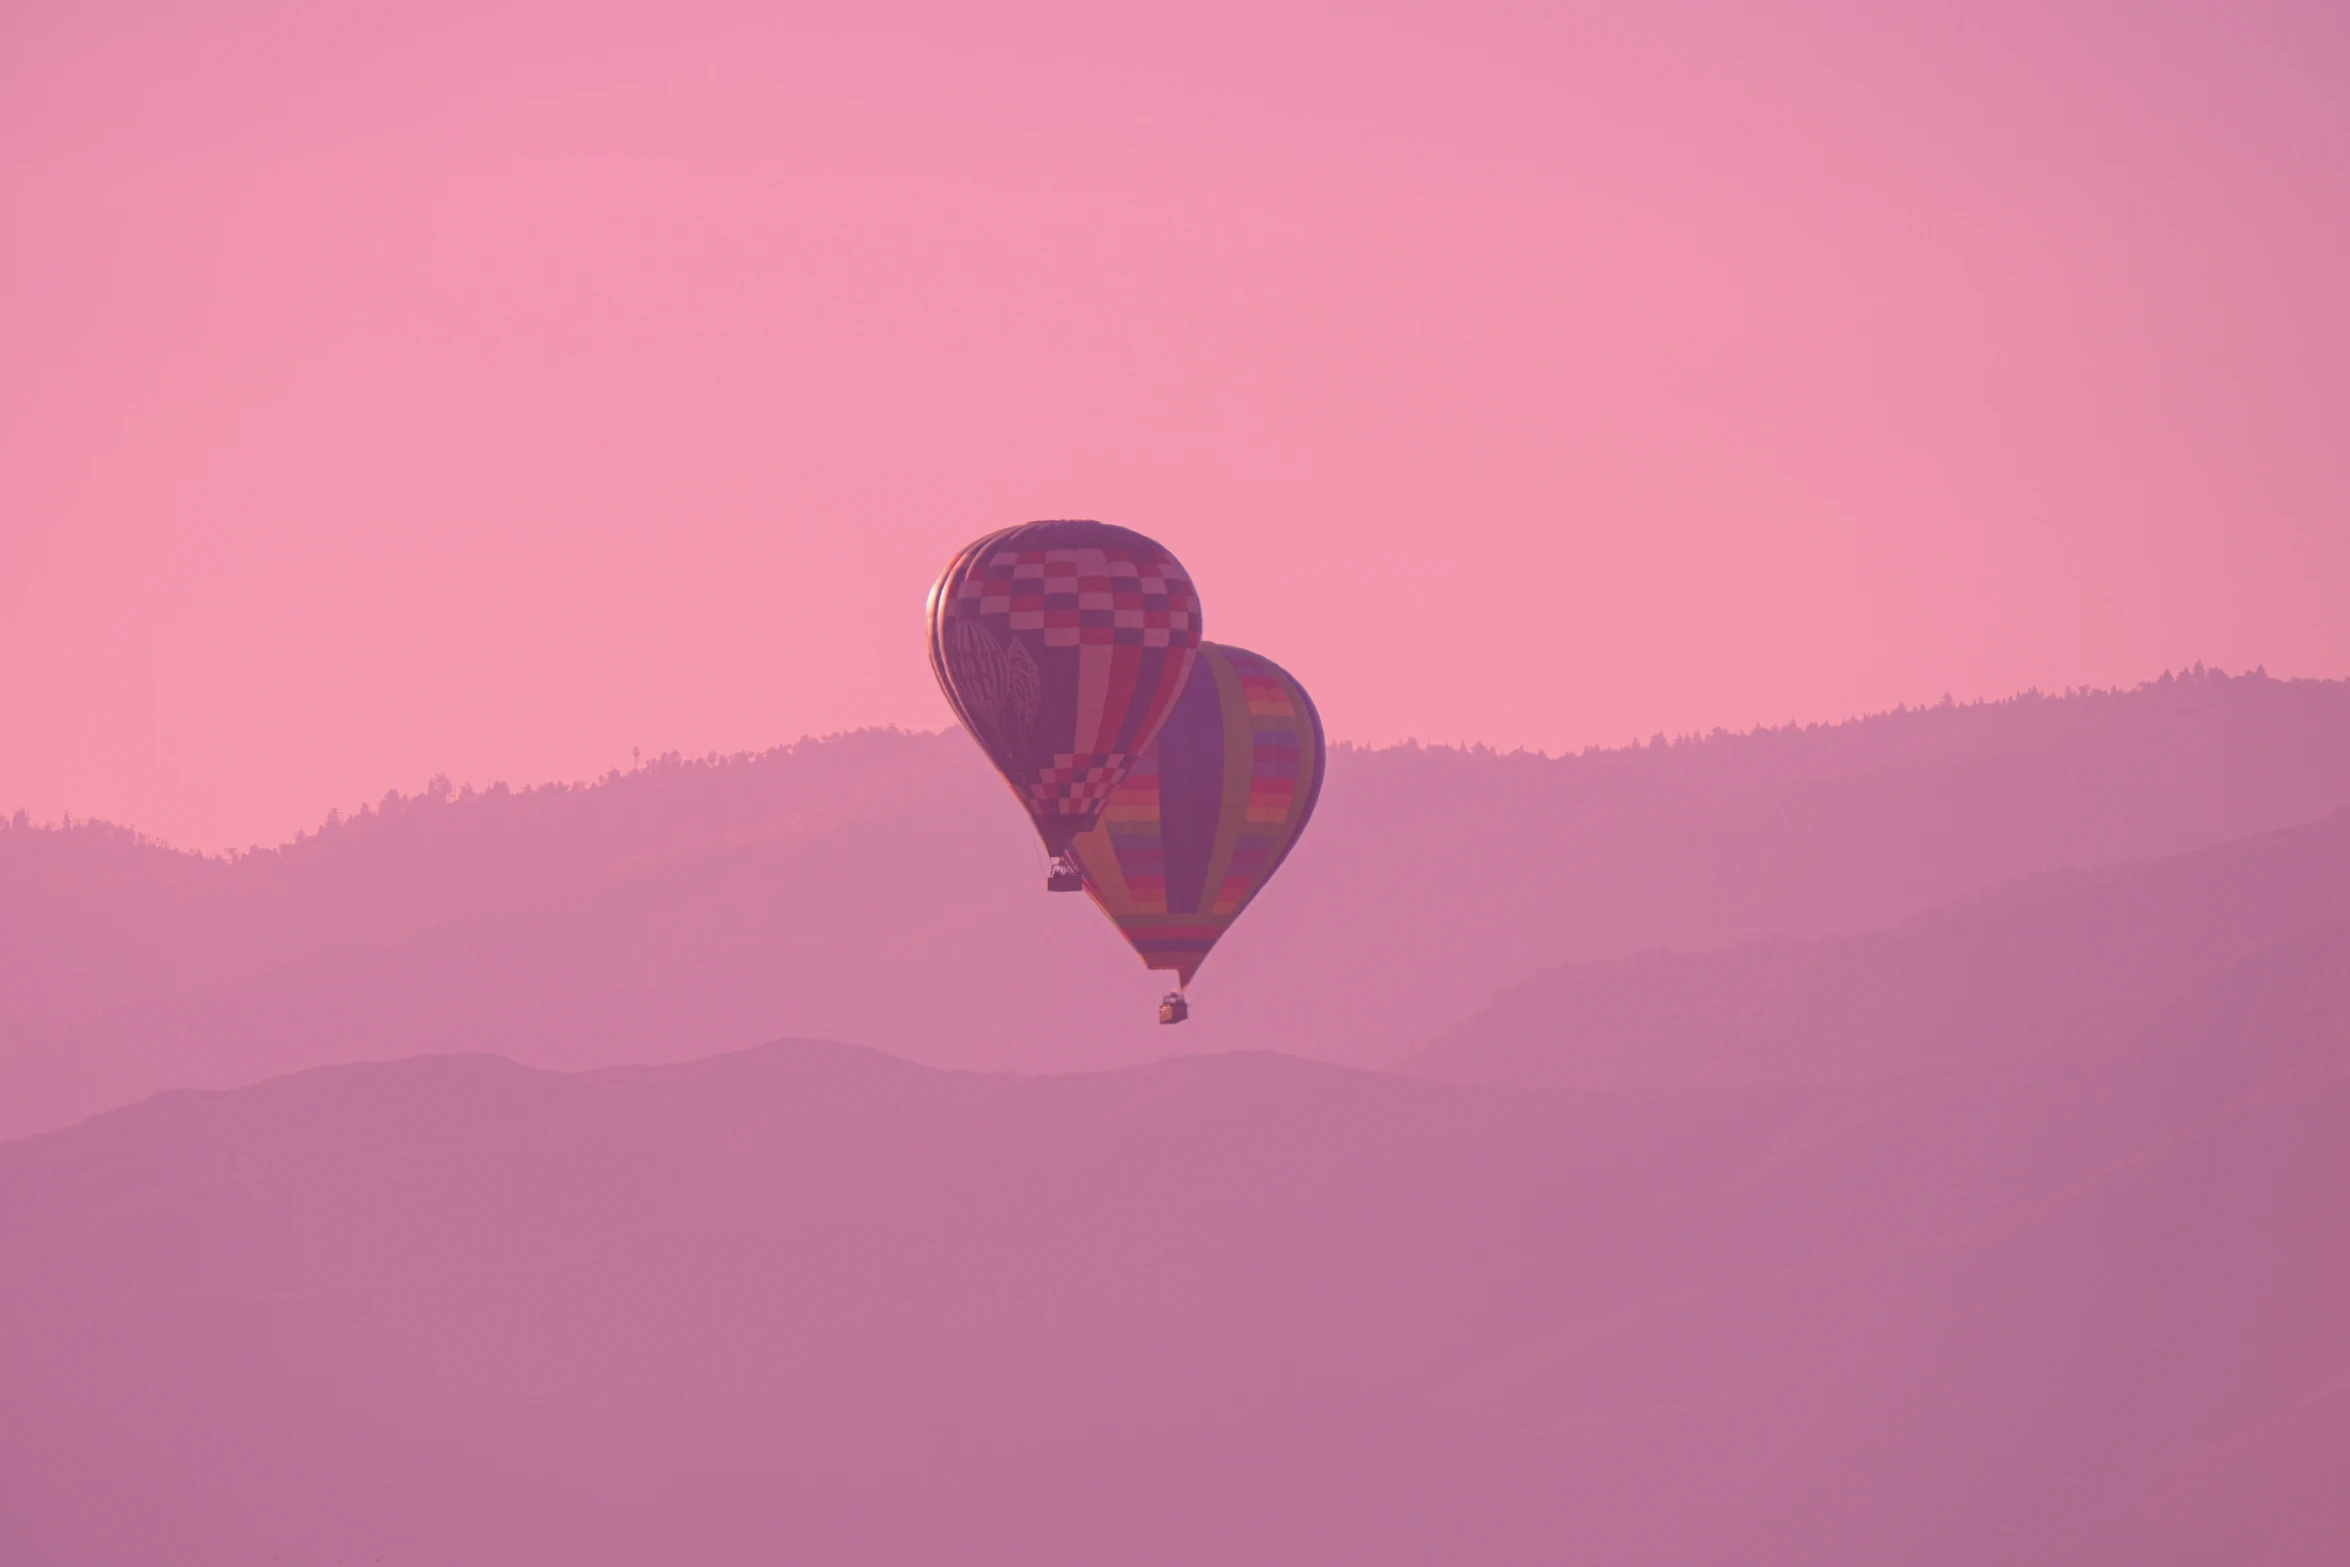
(1064, 875)
(1174, 1009)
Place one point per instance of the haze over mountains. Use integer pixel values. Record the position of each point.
(810, 1303)
(878, 888)
(1925, 1139)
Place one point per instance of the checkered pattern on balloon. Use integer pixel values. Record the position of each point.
(1066, 659)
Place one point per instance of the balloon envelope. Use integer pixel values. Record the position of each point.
(1062, 647)
(1209, 812)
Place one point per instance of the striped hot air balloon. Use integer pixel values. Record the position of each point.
(1208, 813)
(1062, 647)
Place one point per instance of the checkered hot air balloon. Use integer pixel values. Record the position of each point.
(1061, 647)
(1208, 812)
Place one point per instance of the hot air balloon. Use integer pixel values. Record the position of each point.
(1208, 813)
(1061, 647)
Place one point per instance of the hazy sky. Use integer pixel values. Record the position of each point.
(488, 389)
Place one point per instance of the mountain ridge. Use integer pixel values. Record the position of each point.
(881, 887)
(1993, 970)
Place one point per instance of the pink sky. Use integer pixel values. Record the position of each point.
(491, 389)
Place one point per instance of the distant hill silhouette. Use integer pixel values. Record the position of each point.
(93, 915)
(2080, 1305)
(882, 887)
(1997, 974)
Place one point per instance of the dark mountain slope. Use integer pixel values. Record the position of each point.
(2005, 971)
(810, 1303)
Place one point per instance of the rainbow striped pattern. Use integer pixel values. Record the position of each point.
(1207, 814)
